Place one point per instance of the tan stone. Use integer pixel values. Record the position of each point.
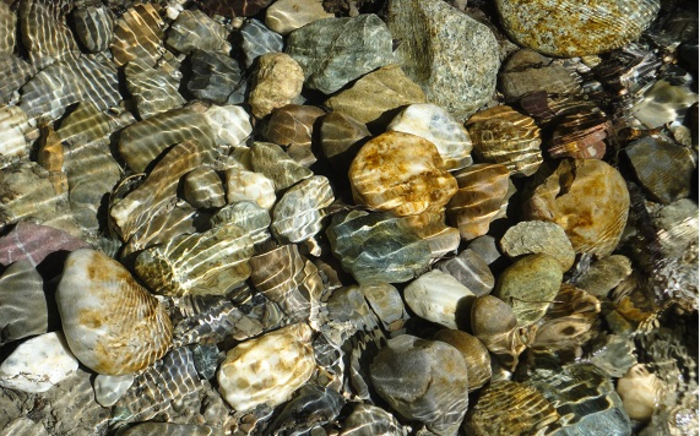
(278, 80)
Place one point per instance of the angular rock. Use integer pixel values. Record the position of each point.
(527, 71)
(270, 160)
(424, 381)
(452, 56)
(341, 138)
(38, 364)
(216, 77)
(336, 51)
(33, 243)
(154, 90)
(471, 270)
(298, 214)
(194, 30)
(292, 125)
(604, 275)
(373, 98)
(531, 237)
(257, 40)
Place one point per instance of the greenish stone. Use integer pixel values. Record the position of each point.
(377, 247)
(529, 286)
(270, 160)
(335, 51)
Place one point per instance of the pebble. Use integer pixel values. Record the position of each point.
(440, 298)
(482, 197)
(605, 274)
(435, 124)
(529, 286)
(110, 388)
(494, 324)
(385, 301)
(377, 247)
(257, 39)
(532, 237)
(373, 98)
(400, 173)
(424, 381)
(229, 123)
(664, 103)
(244, 185)
(194, 30)
(475, 354)
(448, 38)
(587, 197)
(172, 429)
(112, 324)
(23, 307)
(268, 369)
(471, 270)
(641, 392)
(292, 125)
(485, 247)
(335, 51)
(16, 128)
(651, 158)
(276, 82)
(203, 188)
(285, 16)
(297, 215)
(216, 77)
(271, 161)
(570, 28)
(366, 419)
(38, 364)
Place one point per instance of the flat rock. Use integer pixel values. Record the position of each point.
(424, 381)
(33, 243)
(23, 307)
(270, 160)
(570, 28)
(373, 98)
(531, 237)
(527, 71)
(651, 159)
(38, 364)
(452, 56)
(529, 286)
(285, 16)
(336, 51)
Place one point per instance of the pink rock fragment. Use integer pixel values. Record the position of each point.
(34, 242)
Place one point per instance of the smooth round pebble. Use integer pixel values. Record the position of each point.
(440, 298)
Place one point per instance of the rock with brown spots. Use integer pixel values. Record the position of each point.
(574, 28)
(111, 323)
(276, 83)
(401, 173)
(587, 197)
(267, 369)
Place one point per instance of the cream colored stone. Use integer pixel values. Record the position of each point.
(244, 185)
(284, 16)
(440, 298)
(277, 82)
(267, 369)
(230, 124)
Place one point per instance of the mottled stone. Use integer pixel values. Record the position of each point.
(284, 16)
(377, 247)
(437, 126)
(341, 137)
(23, 307)
(452, 56)
(587, 197)
(424, 381)
(298, 214)
(38, 364)
(531, 237)
(651, 159)
(527, 71)
(257, 40)
(335, 51)
(202, 188)
(375, 96)
(400, 173)
(475, 354)
(243, 185)
(270, 160)
(440, 298)
(277, 81)
(230, 124)
(529, 286)
(267, 369)
(154, 90)
(137, 330)
(570, 28)
(605, 274)
(471, 270)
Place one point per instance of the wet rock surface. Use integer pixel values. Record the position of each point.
(348, 217)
